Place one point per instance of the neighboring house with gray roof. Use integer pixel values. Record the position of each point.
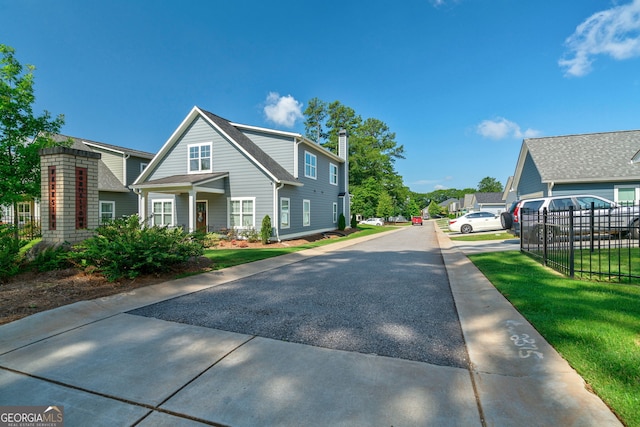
(118, 167)
(602, 164)
(490, 202)
(213, 174)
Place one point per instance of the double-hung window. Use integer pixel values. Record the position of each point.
(310, 165)
(284, 213)
(199, 158)
(242, 213)
(162, 212)
(333, 174)
(24, 212)
(107, 211)
(306, 213)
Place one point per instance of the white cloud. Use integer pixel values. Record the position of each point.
(282, 110)
(501, 128)
(614, 32)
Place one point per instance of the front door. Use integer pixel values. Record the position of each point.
(201, 216)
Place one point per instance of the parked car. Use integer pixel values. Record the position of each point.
(398, 218)
(476, 221)
(608, 217)
(372, 221)
(416, 220)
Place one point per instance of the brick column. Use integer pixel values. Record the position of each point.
(69, 201)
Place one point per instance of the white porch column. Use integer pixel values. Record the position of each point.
(192, 211)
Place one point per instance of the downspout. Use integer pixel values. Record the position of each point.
(276, 216)
(550, 188)
(124, 168)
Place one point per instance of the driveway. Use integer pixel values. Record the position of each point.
(389, 297)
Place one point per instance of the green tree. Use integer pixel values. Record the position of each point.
(489, 185)
(22, 134)
(385, 205)
(434, 209)
(316, 114)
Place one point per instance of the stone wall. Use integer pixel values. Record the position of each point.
(69, 207)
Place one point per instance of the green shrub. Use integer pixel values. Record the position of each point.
(250, 235)
(9, 252)
(342, 223)
(124, 248)
(354, 221)
(50, 258)
(265, 230)
(211, 240)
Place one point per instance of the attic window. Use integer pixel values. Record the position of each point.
(199, 158)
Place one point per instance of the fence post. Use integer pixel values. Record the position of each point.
(572, 239)
(544, 235)
(591, 227)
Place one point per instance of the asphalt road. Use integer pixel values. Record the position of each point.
(388, 296)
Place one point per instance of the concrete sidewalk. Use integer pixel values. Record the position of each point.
(106, 367)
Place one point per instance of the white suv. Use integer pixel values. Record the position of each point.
(607, 217)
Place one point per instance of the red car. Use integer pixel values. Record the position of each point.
(416, 220)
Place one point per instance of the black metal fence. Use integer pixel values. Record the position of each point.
(595, 244)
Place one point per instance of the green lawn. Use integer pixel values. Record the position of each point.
(498, 235)
(224, 258)
(595, 326)
(610, 261)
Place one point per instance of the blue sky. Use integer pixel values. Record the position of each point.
(460, 82)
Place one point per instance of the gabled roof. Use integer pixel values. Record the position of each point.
(107, 181)
(231, 132)
(596, 157)
(115, 148)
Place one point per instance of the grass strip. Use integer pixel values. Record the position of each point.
(225, 258)
(595, 326)
(482, 237)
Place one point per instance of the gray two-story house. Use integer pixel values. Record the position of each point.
(213, 174)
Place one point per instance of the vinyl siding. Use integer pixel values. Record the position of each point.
(113, 161)
(175, 162)
(280, 149)
(530, 179)
(133, 168)
(126, 203)
(318, 191)
(602, 189)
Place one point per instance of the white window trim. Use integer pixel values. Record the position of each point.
(201, 144)
(241, 199)
(143, 166)
(335, 212)
(333, 167)
(306, 203)
(113, 209)
(616, 197)
(153, 213)
(27, 214)
(314, 167)
(288, 225)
